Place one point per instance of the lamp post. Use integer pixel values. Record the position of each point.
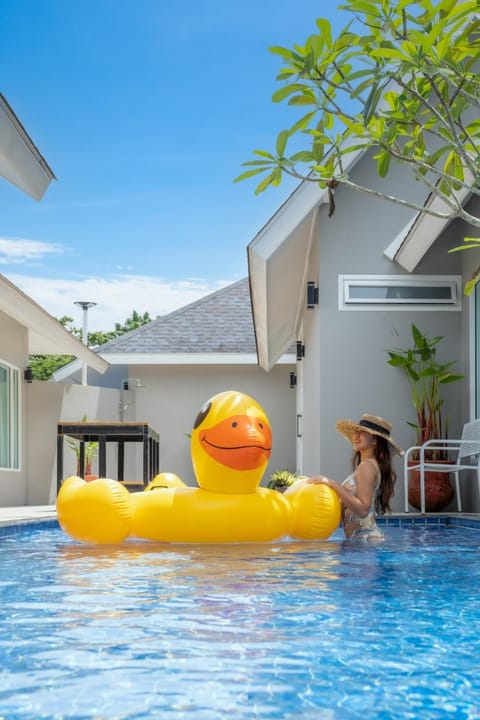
(85, 305)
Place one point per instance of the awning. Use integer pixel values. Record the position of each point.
(46, 336)
(21, 163)
(278, 262)
(417, 237)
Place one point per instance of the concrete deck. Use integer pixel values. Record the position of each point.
(26, 513)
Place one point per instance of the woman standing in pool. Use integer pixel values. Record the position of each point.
(370, 487)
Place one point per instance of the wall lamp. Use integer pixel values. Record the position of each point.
(293, 380)
(312, 295)
(127, 384)
(300, 350)
(132, 384)
(28, 374)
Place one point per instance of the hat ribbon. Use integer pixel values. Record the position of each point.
(374, 426)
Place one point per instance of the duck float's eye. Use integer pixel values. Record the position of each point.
(234, 424)
(260, 425)
(202, 415)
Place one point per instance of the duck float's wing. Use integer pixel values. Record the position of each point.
(316, 510)
(96, 512)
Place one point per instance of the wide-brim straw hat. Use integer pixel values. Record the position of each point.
(371, 424)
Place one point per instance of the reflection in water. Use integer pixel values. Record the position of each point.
(325, 629)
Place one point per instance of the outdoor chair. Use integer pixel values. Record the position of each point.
(463, 454)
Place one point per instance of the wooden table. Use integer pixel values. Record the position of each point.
(104, 432)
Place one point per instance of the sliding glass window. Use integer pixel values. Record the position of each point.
(9, 417)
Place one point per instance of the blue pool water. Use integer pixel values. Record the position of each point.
(289, 630)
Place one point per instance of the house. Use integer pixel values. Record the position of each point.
(165, 371)
(25, 328)
(347, 288)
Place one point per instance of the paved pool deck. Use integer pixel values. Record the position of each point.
(26, 513)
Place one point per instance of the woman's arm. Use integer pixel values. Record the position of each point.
(360, 503)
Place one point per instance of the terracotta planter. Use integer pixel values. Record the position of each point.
(438, 490)
(89, 478)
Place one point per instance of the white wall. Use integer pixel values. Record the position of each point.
(14, 350)
(173, 395)
(169, 401)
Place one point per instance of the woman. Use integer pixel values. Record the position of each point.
(370, 487)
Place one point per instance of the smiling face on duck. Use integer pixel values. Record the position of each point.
(231, 443)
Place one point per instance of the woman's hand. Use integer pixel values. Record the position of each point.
(321, 480)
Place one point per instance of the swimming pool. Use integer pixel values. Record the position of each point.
(287, 630)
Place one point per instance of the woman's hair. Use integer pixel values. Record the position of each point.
(387, 474)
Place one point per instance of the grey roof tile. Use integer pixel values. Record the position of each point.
(221, 322)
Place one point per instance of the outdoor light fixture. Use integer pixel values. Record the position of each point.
(85, 305)
(127, 384)
(312, 295)
(293, 380)
(300, 350)
(132, 384)
(28, 374)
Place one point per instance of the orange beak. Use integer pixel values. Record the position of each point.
(240, 442)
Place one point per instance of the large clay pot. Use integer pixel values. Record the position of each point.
(438, 490)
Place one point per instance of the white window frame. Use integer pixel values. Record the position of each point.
(12, 412)
(453, 282)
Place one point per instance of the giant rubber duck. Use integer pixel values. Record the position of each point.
(231, 443)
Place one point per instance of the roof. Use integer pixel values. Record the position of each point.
(46, 335)
(218, 328)
(21, 163)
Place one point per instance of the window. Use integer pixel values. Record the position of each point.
(9, 417)
(399, 292)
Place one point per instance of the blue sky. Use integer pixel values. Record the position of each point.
(145, 111)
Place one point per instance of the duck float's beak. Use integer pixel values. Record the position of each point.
(239, 442)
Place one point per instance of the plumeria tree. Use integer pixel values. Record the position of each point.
(400, 78)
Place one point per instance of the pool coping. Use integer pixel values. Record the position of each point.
(22, 519)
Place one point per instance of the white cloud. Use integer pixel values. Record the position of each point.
(116, 297)
(18, 250)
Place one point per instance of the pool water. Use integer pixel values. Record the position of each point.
(286, 630)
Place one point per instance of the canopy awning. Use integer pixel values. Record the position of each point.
(278, 262)
(21, 163)
(46, 336)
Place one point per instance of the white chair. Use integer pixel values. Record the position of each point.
(464, 454)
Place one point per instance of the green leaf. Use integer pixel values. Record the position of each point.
(265, 183)
(282, 139)
(325, 31)
(470, 284)
(249, 173)
(383, 163)
(287, 90)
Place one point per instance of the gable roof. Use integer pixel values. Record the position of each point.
(218, 329)
(46, 336)
(21, 163)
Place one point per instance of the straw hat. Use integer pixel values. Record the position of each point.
(371, 424)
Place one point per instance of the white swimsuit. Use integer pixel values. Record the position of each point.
(354, 526)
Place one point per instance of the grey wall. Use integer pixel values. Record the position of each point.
(346, 351)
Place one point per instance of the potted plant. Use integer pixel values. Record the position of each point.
(281, 480)
(90, 452)
(426, 376)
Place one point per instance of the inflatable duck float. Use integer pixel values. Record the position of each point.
(231, 442)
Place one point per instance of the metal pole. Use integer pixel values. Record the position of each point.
(85, 305)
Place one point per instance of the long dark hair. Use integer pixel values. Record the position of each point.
(388, 476)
